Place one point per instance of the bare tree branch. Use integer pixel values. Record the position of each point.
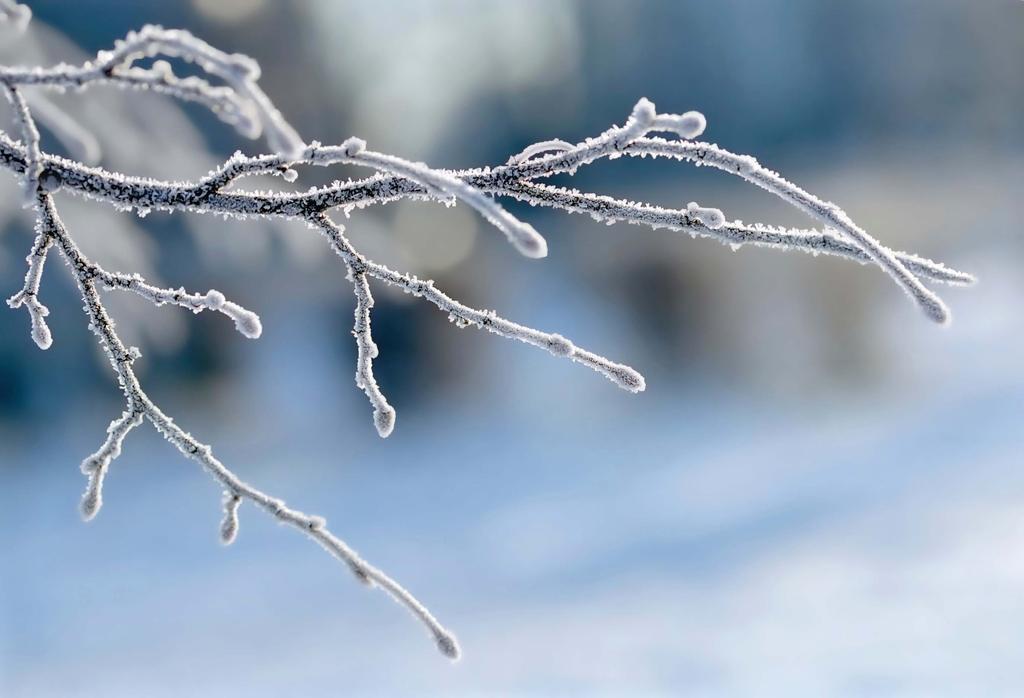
(240, 101)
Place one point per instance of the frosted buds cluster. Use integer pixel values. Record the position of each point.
(227, 84)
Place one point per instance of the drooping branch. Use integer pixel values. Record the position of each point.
(140, 406)
(439, 184)
(241, 103)
(463, 315)
(239, 100)
(610, 210)
(631, 139)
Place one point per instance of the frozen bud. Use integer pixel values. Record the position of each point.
(353, 146)
(92, 500)
(37, 314)
(246, 321)
(626, 378)
(559, 345)
(41, 334)
(162, 69)
(688, 125)
(18, 15)
(244, 67)
(448, 645)
(528, 241)
(709, 217)
(644, 113)
(229, 526)
(639, 123)
(934, 308)
(384, 420)
(215, 299)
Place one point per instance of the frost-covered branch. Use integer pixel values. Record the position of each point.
(140, 406)
(241, 102)
(28, 296)
(530, 151)
(438, 183)
(464, 316)
(30, 137)
(631, 139)
(238, 99)
(826, 212)
(736, 234)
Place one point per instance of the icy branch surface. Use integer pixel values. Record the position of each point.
(235, 96)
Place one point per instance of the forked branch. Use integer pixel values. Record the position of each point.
(237, 98)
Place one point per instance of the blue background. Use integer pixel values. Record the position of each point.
(820, 492)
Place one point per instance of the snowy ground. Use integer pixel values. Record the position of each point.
(578, 540)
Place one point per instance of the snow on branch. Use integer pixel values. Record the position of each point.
(240, 102)
(238, 99)
(439, 184)
(15, 15)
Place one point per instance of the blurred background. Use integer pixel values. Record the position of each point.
(820, 492)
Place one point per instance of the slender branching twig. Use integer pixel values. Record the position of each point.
(238, 99)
